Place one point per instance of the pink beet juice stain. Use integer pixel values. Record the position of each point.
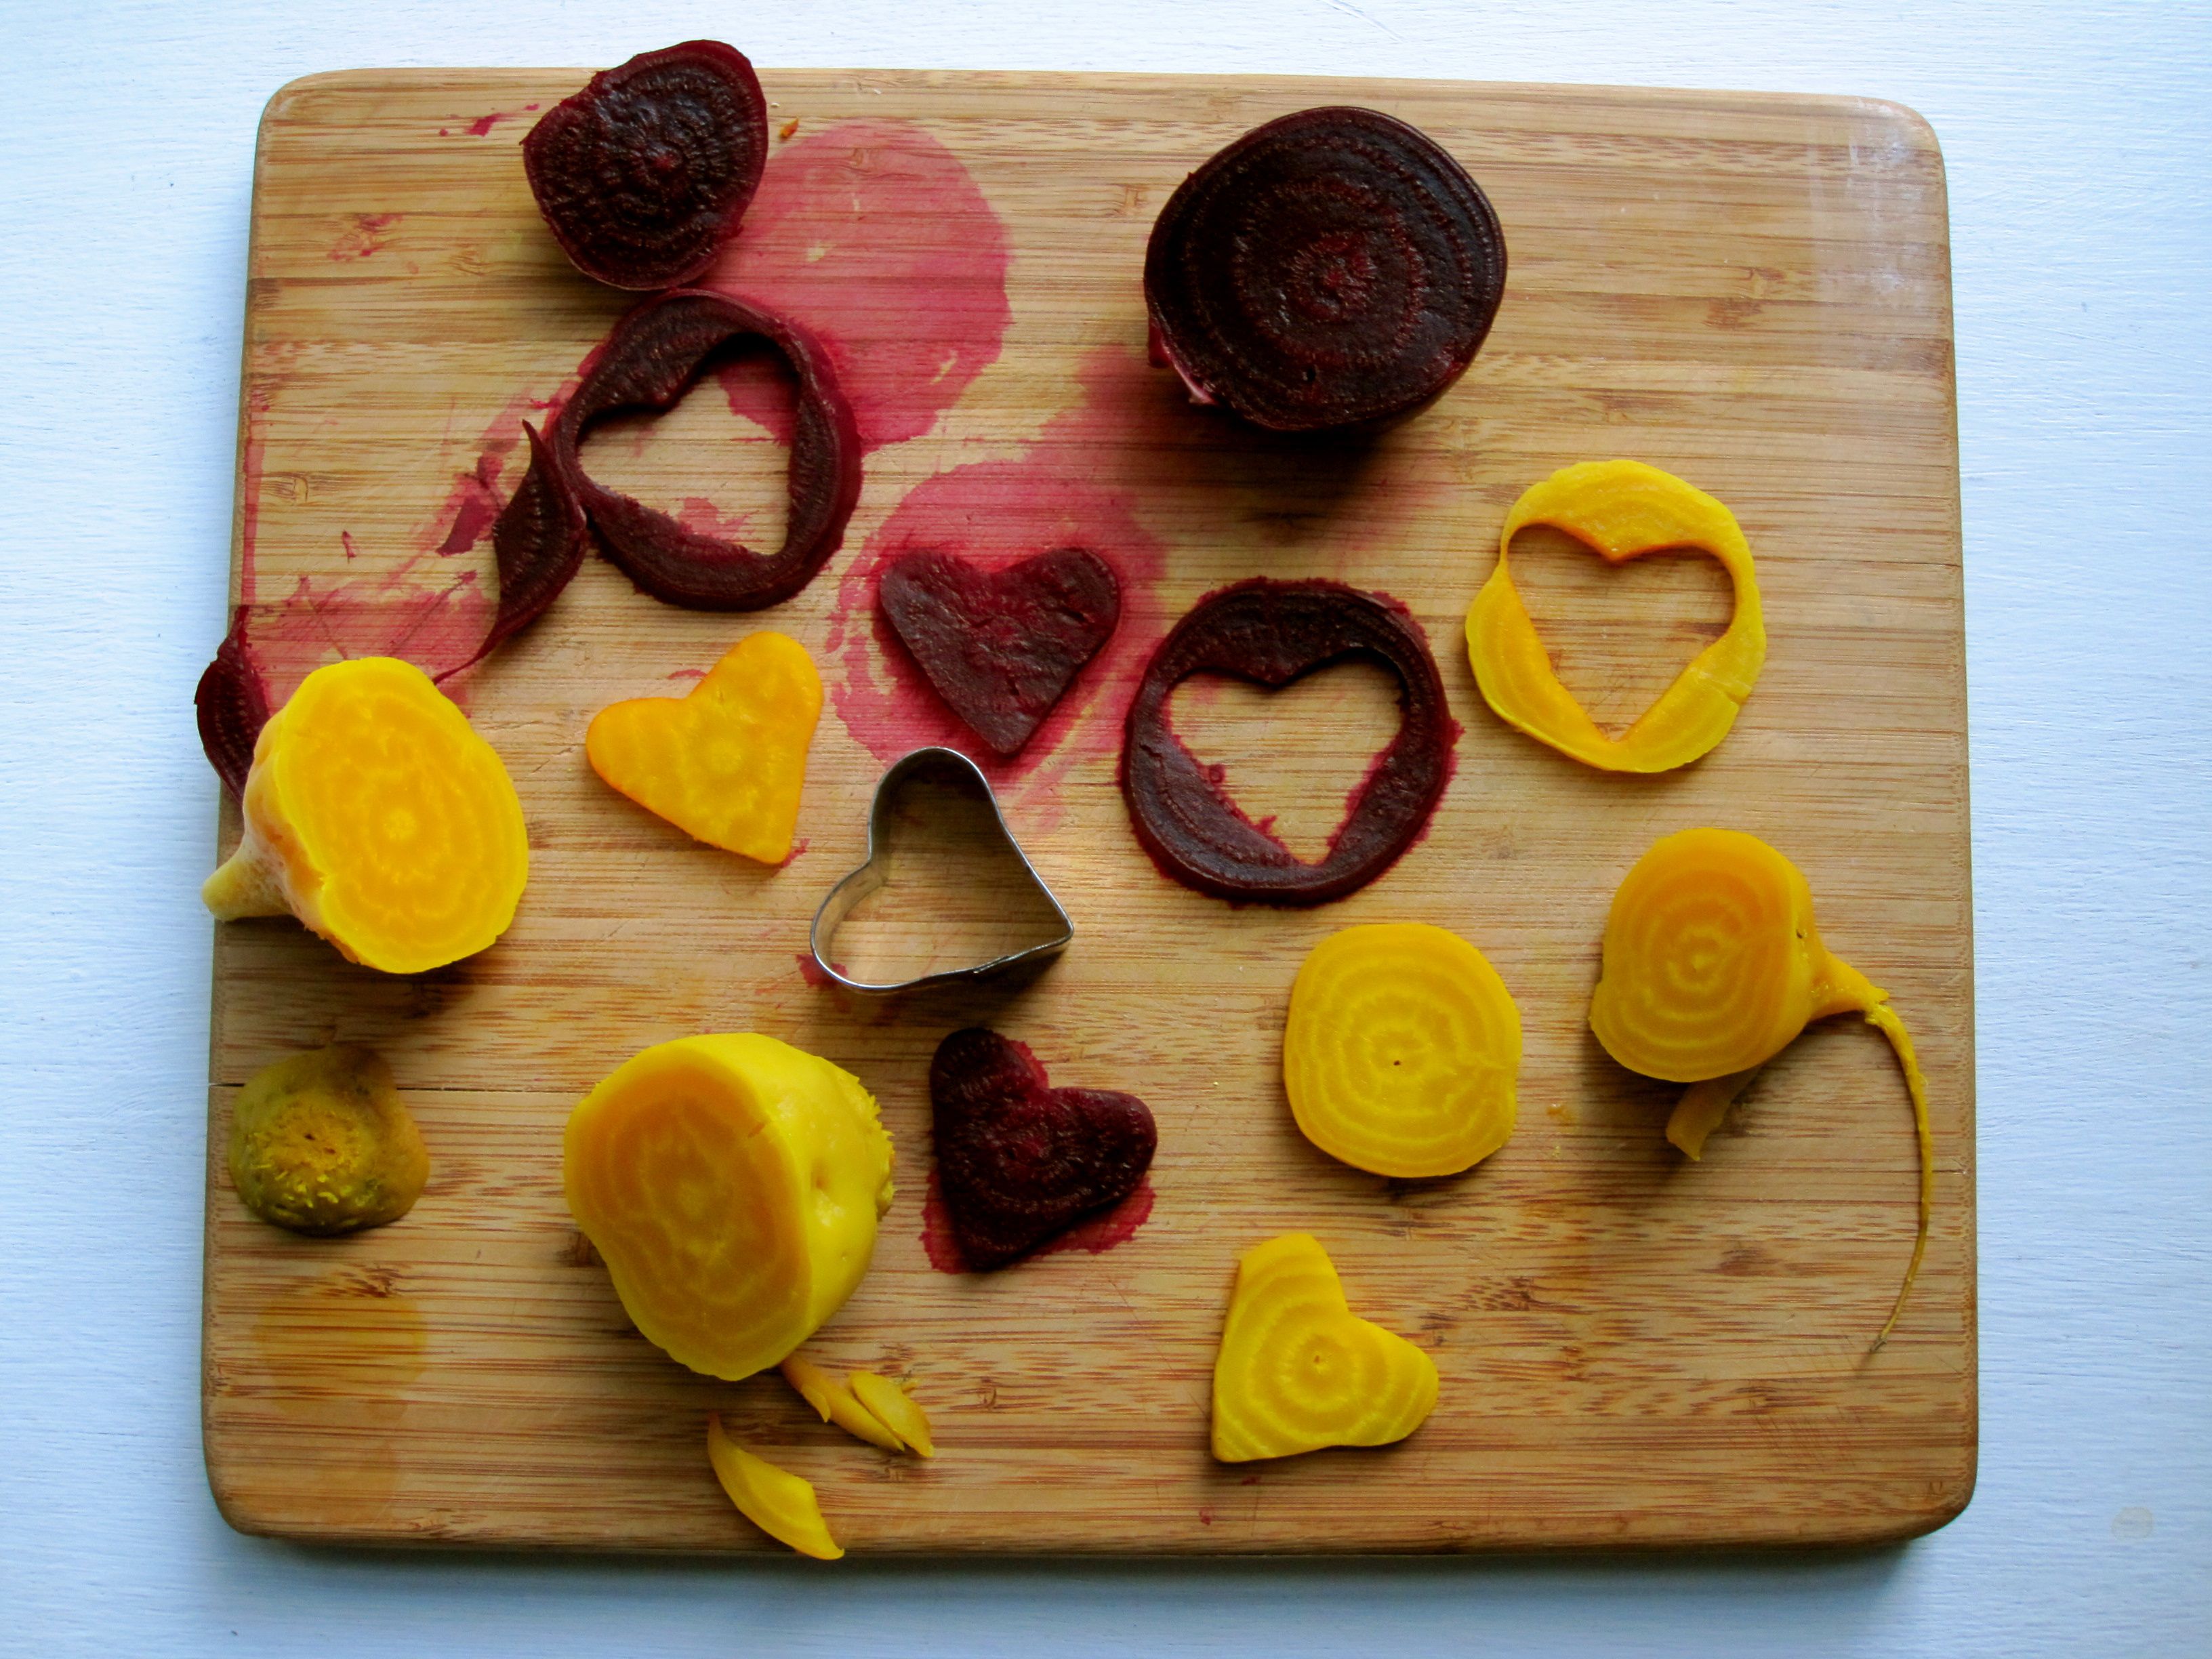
(1094, 1234)
(873, 236)
(434, 625)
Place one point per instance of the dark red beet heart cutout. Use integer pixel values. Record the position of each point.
(1019, 1160)
(1002, 647)
(645, 173)
(1270, 633)
(1333, 268)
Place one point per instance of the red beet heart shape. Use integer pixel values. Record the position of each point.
(1001, 647)
(1019, 1160)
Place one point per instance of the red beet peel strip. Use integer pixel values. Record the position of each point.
(650, 361)
(1001, 647)
(537, 542)
(645, 173)
(1334, 268)
(1019, 1160)
(1270, 633)
(232, 705)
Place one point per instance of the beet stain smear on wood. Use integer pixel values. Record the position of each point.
(1334, 268)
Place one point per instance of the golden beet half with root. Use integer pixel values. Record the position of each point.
(1712, 966)
(377, 816)
(731, 1184)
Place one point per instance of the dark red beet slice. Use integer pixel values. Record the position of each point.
(1333, 268)
(232, 704)
(652, 358)
(538, 540)
(644, 174)
(1017, 1161)
(1002, 647)
(1271, 632)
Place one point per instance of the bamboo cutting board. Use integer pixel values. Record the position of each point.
(1751, 291)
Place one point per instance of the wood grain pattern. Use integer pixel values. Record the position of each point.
(1753, 291)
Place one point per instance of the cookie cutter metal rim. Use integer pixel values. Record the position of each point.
(857, 883)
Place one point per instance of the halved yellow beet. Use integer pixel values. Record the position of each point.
(377, 816)
(1401, 1050)
(1712, 966)
(1299, 1371)
(780, 1503)
(731, 1184)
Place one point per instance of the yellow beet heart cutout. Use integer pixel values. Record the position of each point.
(1299, 1371)
(724, 764)
(1401, 1050)
(1621, 510)
(1712, 966)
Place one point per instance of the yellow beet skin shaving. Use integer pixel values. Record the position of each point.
(1401, 1050)
(377, 816)
(727, 762)
(780, 1503)
(1299, 1371)
(1712, 966)
(1621, 510)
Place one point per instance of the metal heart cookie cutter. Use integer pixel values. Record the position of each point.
(875, 871)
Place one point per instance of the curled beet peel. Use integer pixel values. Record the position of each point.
(644, 174)
(1019, 1160)
(1270, 633)
(1333, 268)
(233, 706)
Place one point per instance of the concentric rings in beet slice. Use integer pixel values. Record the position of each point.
(645, 173)
(1333, 268)
(1270, 633)
(649, 361)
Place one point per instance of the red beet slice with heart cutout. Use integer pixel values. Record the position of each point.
(1333, 268)
(1019, 1160)
(645, 173)
(1270, 633)
(1001, 647)
(652, 357)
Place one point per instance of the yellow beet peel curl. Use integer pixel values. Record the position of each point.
(1401, 1050)
(780, 1503)
(731, 1184)
(1299, 1371)
(724, 764)
(377, 816)
(1712, 966)
(322, 1143)
(833, 1399)
(1621, 510)
(897, 1410)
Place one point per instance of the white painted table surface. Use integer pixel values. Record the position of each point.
(2079, 141)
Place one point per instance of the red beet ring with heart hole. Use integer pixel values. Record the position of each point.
(646, 173)
(1270, 633)
(1334, 268)
(650, 361)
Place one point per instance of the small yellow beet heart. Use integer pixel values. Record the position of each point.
(780, 1503)
(1299, 1371)
(724, 764)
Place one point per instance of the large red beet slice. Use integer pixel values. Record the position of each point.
(644, 174)
(1002, 647)
(650, 361)
(1019, 1160)
(1333, 268)
(1271, 632)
